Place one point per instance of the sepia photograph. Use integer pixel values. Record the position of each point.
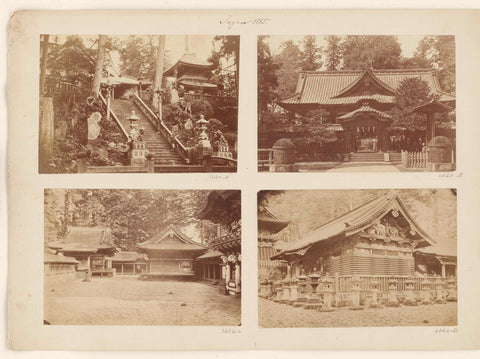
(356, 103)
(142, 257)
(138, 103)
(357, 258)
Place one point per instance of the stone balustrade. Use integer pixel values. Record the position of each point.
(321, 292)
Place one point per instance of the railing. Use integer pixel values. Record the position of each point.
(124, 131)
(265, 159)
(219, 100)
(343, 284)
(414, 159)
(160, 126)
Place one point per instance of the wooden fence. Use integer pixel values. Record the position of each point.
(265, 159)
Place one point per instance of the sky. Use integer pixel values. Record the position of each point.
(408, 43)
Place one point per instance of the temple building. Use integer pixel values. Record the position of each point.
(170, 254)
(269, 225)
(93, 247)
(129, 263)
(358, 103)
(191, 72)
(378, 238)
(224, 209)
(439, 259)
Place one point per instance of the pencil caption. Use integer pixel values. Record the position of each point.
(446, 330)
(218, 176)
(231, 331)
(450, 175)
(230, 21)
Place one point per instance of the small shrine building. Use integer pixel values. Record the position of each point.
(358, 103)
(93, 247)
(378, 238)
(129, 263)
(191, 72)
(439, 259)
(269, 225)
(170, 254)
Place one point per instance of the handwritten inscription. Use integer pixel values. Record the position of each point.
(231, 331)
(450, 175)
(230, 21)
(446, 330)
(217, 176)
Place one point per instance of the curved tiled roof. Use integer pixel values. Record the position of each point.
(365, 109)
(171, 239)
(355, 221)
(189, 59)
(321, 87)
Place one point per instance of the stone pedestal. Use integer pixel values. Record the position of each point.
(137, 153)
(263, 289)
(392, 300)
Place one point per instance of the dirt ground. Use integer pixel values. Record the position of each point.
(275, 315)
(129, 301)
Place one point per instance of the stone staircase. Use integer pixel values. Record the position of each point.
(374, 157)
(163, 153)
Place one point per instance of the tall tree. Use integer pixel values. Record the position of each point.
(159, 72)
(333, 52)
(266, 77)
(439, 53)
(410, 93)
(228, 48)
(288, 62)
(383, 51)
(97, 78)
(311, 54)
(43, 63)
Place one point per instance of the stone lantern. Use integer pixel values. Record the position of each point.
(314, 301)
(328, 290)
(452, 289)
(426, 293)
(410, 292)
(278, 289)
(301, 295)
(133, 119)
(283, 156)
(392, 300)
(286, 290)
(374, 289)
(293, 291)
(440, 295)
(204, 147)
(356, 289)
(263, 289)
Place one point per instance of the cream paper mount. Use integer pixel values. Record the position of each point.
(32, 194)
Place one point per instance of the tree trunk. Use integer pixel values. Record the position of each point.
(43, 65)
(99, 65)
(159, 73)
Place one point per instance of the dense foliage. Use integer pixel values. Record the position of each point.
(133, 215)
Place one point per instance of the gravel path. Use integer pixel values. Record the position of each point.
(129, 301)
(274, 315)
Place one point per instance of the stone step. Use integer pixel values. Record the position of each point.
(162, 151)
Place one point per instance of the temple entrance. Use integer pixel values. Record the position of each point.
(367, 144)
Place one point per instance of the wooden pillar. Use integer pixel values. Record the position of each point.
(444, 274)
(237, 274)
(46, 133)
(122, 267)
